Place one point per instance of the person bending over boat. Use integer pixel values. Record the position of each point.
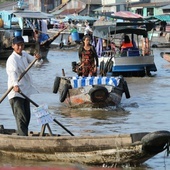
(16, 64)
(88, 58)
(44, 39)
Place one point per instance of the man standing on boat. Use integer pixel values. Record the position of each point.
(16, 64)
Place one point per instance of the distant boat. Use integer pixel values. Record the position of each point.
(131, 61)
(20, 22)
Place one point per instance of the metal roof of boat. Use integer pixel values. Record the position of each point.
(163, 17)
(104, 31)
(27, 14)
(30, 14)
(79, 17)
(127, 15)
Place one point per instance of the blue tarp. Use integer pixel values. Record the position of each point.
(162, 17)
(79, 17)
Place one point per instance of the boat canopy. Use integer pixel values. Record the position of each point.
(127, 15)
(9, 16)
(79, 17)
(123, 15)
(124, 22)
(126, 28)
(163, 17)
(30, 14)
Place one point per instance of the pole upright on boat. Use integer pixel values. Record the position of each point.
(35, 104)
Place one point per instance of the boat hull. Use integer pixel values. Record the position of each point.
(30, 47)
(90, 150)
(130, 66)
(136, 60)
(74, 94)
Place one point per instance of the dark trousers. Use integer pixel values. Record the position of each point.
(21, 111)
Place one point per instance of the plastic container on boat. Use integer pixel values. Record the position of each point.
(18, 33)
(75, 36)
(43, 37)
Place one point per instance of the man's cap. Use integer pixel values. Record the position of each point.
(18, 40)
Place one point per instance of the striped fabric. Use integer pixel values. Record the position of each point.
(77, 82)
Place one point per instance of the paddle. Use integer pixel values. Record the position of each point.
(50, 40)
(35, 104)
(19, 78)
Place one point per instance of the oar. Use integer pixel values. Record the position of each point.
(50, 40)
(19, 78)
(35, 104)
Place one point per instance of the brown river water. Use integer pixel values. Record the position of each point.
(148, 108)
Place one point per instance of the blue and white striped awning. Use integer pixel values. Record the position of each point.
(77, 82)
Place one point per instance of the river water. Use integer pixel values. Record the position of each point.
(148, 108)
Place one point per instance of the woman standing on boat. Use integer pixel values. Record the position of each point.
(88, 58)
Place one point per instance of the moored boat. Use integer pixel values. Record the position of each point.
(137, 60)
(57, 168)
(114, 150)
(63, 42)
(25, 23)
(91, 91)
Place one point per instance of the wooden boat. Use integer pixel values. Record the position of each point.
(161, 44)
(19, 22)
(67, 40)
(56, 168)
(64, 42)
(91, 91)
(165, 56)
(134, 61)
(113, 150)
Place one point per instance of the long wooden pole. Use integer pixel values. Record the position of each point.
(50, 40)
(35, 104)
(19, 78)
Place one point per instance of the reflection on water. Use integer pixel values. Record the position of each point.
(11, 162)
(146, 110)
(101, 114)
